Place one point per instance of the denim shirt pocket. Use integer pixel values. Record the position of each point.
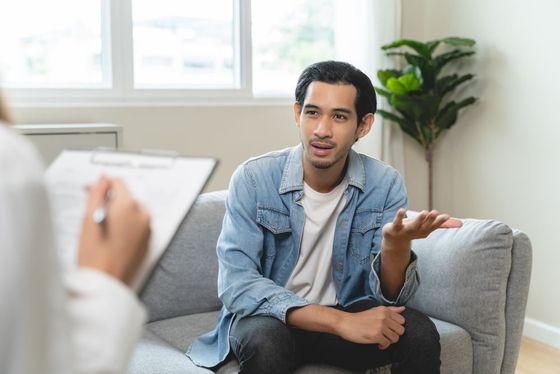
(277, 227)
(365, 224)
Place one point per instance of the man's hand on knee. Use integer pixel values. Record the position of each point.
(380, 325)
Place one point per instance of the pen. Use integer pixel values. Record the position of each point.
(100, 214)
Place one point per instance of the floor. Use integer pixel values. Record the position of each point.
(537, 358)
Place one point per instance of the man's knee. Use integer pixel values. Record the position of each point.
(420, 342)
(420, 328)
(262, 342)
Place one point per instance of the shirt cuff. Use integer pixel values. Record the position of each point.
(411, 281)
(280, 304)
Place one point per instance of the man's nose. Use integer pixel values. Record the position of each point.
(324, 128)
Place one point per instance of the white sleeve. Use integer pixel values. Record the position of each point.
(33, 324)
(106, 318)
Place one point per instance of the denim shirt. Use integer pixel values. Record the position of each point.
(260, 241)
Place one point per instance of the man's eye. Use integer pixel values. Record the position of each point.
(340, 117)
(311, 113)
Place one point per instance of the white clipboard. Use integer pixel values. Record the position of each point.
(166, 184)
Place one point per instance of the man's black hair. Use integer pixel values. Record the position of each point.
(337, 72)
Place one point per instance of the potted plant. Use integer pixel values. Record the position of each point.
(421, 92)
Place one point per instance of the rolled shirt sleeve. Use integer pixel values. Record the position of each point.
(411, 281)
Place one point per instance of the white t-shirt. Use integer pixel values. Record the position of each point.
(312, 275)
(88, 324)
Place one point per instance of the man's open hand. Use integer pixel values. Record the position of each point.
(420, 227)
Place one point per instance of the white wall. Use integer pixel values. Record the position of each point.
(231, 134)
(502, 158)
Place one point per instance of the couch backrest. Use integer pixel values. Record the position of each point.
(185, 280)
(464, 278)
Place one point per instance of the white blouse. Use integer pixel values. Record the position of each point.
(87, 323)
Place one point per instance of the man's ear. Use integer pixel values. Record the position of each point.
(297, 112)
(365, 125)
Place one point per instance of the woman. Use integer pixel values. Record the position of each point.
(89, 321)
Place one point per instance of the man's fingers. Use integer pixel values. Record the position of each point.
(391, 335)
(431, 218)
(397, 317)
(396, 327)
(384, 343)
(398, 221)
(452, 223)
(419, 220)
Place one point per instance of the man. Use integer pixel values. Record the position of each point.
(315, 257)
(91, 322)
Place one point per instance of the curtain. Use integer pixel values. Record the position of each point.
(385, 141)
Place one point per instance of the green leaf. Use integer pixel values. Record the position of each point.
(427, 68)
(409, 82)
(445, 58)
(394, 53)
(414, 70)
(423, 108)
(403, 104)
(392, 117)
(382, 92)
(432, 46)
(449, 83)
(421, 48)
(459, 42)
(384, 75)
(426, 107)
(395, 86)
(405, 125)
(448, 115)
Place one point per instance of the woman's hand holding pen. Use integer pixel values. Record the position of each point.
(117, 242)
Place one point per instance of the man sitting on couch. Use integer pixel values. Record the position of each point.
(315, 257)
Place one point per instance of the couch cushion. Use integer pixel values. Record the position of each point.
(179, 332)
(154, 355)
(456, 348)
(185, 280)
(463, 277)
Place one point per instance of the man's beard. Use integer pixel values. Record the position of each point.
(319, 164)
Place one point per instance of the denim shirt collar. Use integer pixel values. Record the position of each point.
(292, 176)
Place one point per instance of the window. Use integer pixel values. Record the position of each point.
(127, 50)
(184, 43)
(300, 33)
(64, 49)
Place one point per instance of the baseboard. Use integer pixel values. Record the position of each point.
(542, 332)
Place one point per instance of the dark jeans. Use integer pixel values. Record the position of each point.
(266, 345)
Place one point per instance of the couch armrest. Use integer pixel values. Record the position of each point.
(516, 302)
(463, 280)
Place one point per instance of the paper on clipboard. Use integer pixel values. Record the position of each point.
(166, 185)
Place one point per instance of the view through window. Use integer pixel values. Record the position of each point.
(55, 43)
(183, 47)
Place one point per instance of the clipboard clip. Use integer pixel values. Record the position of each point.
(145, 159)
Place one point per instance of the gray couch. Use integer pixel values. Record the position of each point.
(474, 284)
